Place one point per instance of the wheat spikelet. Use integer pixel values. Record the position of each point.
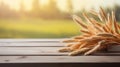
(95, 36)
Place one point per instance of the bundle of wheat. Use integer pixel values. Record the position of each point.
(95, 36)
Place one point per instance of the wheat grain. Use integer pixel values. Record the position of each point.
(95, 36)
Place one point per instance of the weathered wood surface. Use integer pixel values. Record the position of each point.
(46, 51)
(30, 51)
(38, 51)
(28, 44)
(59, 59)
(31, 40)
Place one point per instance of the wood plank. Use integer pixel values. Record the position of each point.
(40, 42)
(39, 51)
(33, 51)
(47, 44)
(32, 44)
(31, 40)
(114, 48)
(59, 59)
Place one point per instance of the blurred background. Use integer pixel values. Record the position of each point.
(47, 18)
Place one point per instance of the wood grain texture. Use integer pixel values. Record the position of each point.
(40, 51)
(31, 40)
(46, 51)
(30, 51)
(114, 48)
(32, 44)
(59, 59)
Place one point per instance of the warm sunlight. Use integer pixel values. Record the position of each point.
(46, 18)
(77, 4)
(15, 4)
(43, 1)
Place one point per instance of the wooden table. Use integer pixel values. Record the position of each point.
(44, 53)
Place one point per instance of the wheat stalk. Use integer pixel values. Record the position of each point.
(95, 36)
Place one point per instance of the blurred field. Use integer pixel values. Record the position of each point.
(17, 21)
(37, 28)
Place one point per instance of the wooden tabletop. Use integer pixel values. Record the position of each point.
(46, 51)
